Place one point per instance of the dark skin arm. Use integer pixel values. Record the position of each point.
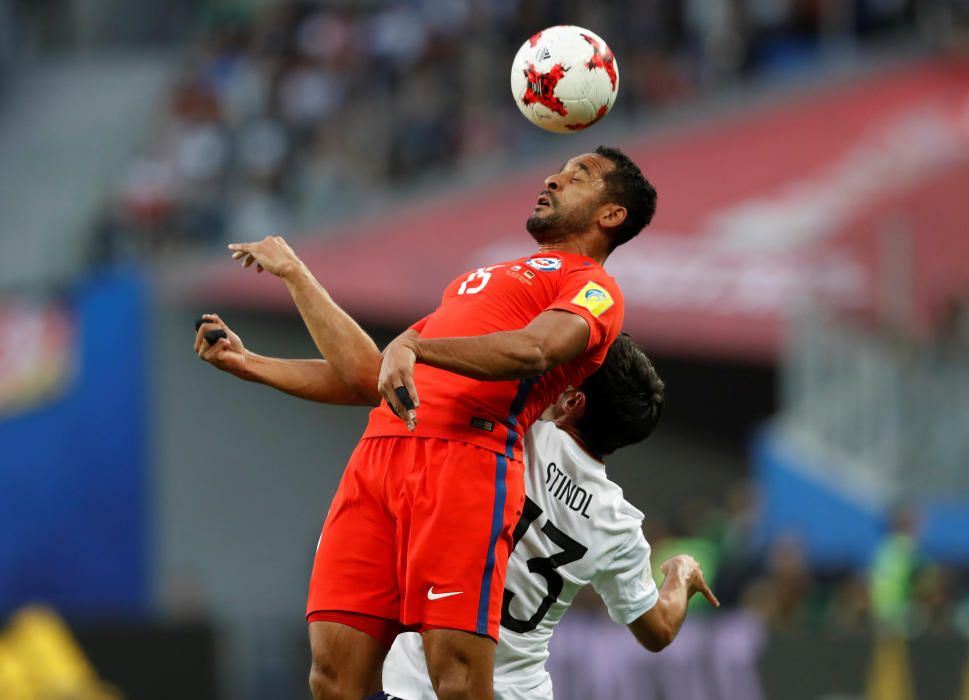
(656, 628)
(551, 339)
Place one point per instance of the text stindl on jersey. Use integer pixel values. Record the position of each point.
(561, 486)
(543, 566)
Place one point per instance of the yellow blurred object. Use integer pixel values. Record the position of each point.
(890, 674)
(14, 683)
(964, 695)
(40, 660)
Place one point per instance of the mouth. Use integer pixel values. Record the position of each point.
(543, 201)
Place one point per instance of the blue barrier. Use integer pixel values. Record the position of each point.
(73, 471)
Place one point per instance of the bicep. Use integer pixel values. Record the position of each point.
(562, 335)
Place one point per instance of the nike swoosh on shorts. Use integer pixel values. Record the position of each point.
(431, 595)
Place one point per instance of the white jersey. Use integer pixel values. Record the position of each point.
(576, 528)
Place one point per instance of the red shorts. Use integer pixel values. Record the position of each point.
(419, 534)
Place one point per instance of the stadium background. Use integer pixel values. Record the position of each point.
(804, 291)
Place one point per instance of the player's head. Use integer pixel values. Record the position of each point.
(618, 405)
(628, 187)
(602, 191)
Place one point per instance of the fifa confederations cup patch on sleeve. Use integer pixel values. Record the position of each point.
(594, 298)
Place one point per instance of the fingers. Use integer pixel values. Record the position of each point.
(411, 389)
(393, 391)
(246, 252)
(705, 590)
(214, 353)
(404, 411)
(209, 322)
(393, 401)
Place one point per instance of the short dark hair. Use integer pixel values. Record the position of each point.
(627, 186)
(624, 399)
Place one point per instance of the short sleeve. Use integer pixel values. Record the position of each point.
(419, 325)
(626, 585)
(594, 296)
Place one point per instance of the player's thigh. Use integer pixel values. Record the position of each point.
(459, 539)
(346, 661)
(355, 566)
(459, 660)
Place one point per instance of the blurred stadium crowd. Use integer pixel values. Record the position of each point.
(900, 591)
(290, 115)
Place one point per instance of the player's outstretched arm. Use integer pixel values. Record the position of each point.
(658, 627)
(344, 344)
(312, 379)
(552, 338)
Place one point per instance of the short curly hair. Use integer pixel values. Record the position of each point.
(624, 399)
(627, 186)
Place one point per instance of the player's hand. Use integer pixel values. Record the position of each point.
(228, 354)
(396, 381)
(272, 254)
(689, 570)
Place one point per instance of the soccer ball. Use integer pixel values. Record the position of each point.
(564, 79)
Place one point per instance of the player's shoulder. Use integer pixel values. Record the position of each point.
(549, 443)
(542, 432)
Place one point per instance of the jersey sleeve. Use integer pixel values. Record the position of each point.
(419, 325)
(626, 585)
(594, 296)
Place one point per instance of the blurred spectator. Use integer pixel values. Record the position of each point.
(892, 572)
(786, 595)
(287, 115)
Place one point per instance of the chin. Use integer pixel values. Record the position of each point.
(541, 228)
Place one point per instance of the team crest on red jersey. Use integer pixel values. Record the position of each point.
(545, 264)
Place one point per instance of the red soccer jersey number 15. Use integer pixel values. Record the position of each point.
(506, 297)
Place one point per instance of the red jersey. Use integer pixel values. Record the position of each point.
(506, 297)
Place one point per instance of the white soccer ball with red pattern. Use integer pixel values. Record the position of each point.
(565, 79)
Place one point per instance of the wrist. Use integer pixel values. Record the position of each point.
(415, 346)
(294, 272)
(250, 367)
(677, 571)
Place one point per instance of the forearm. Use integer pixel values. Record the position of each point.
(315, 380)
(674, 599)
(345, 345)
(496, 356)
(657, 628)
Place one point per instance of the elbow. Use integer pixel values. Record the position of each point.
(537, 362)
(656, 635)
(363, 388)
(362, 381)
(656, 643)
(534, 358)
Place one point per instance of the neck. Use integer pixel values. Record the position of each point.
(586, 244)
(577, 436)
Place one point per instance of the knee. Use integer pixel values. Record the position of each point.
(448, 689)
(325, 682)
(458, 686)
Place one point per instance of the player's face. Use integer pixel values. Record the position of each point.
(571, 198)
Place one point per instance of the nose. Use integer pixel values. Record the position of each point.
(553, 183)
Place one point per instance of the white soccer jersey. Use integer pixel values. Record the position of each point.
(575, 529)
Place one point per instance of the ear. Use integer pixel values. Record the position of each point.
(611, 215)
(574, 404)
